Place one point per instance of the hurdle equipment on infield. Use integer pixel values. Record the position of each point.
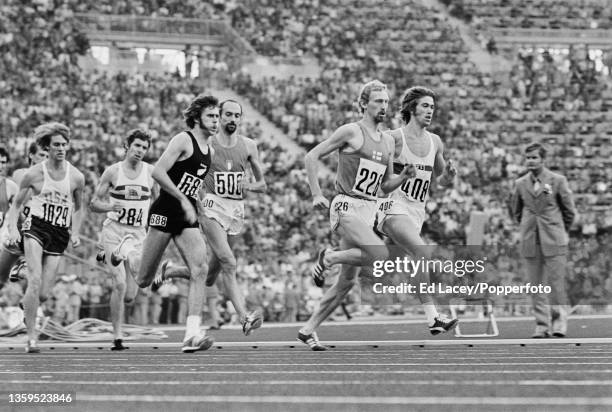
(487, 305)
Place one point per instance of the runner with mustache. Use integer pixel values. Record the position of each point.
(222, 209)
(365, 165)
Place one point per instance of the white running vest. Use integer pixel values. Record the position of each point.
(416, 190)
(54, 202)
(133, 195)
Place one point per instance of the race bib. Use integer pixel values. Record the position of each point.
(57, 215)
(229, 184)
(417, 188)
(368, 179)
(131, 216)
(190, 185)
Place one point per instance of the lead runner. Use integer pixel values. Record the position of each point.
(365, 163)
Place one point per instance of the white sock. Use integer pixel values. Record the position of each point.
(431, 312)
(193, 326)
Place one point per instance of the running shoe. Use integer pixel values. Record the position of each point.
(312, 341)
(15, 273)
(253, 321)
(318, 270)
(32, 346)
(197, 343)
(119, 254)
(442, 325)
(118, 345)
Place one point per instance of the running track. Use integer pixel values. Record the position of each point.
(391, 365)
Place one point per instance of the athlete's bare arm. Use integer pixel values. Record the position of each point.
(28, 183)
(391, 181)
(18, 175)
(100, 202)
(177, 149)
(153, 183)
(78, 212)
(346, 135)
(444, 171)
(11, 190)
(259, 185)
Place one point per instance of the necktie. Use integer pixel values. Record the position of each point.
(536, 185)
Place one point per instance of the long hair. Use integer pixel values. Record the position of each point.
(193, 113)
(411, 98)
(44, 132)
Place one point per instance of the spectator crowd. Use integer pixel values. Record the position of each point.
(484, 119)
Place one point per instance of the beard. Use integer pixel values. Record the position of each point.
(230, 128)
(379, 118)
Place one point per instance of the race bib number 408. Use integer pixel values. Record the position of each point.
(417, 188)
(229, 184)
(369, 177)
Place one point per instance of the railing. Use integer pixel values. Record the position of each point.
(158, 25)
(553, 36)
(173, 30)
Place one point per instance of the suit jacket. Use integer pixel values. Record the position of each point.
(550, 211)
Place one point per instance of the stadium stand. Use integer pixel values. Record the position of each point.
(562, 99)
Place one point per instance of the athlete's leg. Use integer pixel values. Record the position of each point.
(50, 263)
(355, 234)
(132, 264)
(192, 248)
(177, 271)
(111, 237)
(220, 246)
(7, 260)
(31, 298)
(403, 233)
(332, 298)
(154, 245)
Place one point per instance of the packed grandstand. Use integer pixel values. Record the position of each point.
(561, 96)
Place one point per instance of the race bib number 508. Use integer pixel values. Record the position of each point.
(229, 184)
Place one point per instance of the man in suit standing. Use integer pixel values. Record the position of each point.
(542, 204)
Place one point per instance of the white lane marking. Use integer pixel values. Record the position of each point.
(374, 322)
(320, 365)
(356, 400)
(548, 382)
(317, 372)
(345, 343)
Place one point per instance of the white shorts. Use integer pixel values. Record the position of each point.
(348, 206)
(390, 207)
(229, 213)
(113, 232)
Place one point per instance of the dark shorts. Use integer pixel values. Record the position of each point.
(53, 239)
(166, 215)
